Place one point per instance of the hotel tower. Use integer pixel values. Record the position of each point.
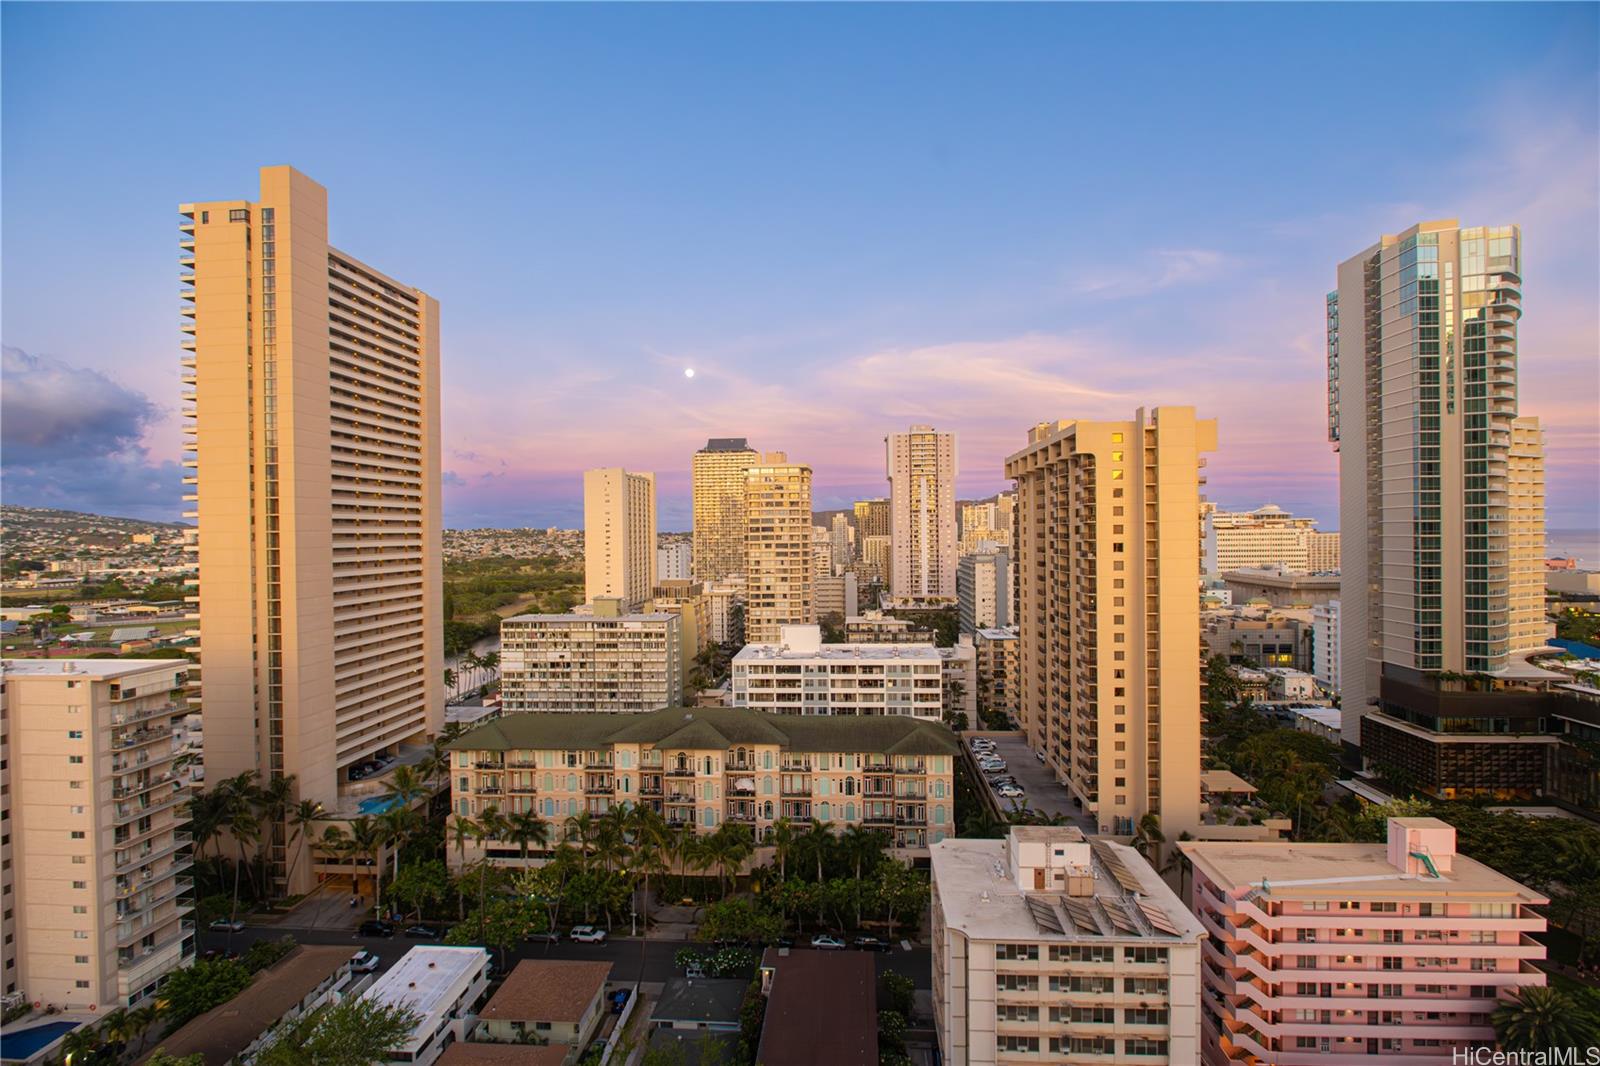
(717, 479)
(312, 389)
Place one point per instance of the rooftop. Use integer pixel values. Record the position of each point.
(838, 653)
(822, 1007)
(94, 669)
(708, 728)
(1129, 901)
(225, 1031)
(700, 999)
(547, 990)
(428, 978)
(591, 619)
(464, 1054)
(1223, 781)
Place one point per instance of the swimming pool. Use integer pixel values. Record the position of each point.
(20, 1045)
(378, 804)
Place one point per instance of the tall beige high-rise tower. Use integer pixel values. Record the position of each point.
(922, 512)
(779, 548)
(314, 460)
(1440, 481)
(717, 483)
(619, 535)
(1108, 563)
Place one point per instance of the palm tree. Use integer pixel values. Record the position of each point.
(141, 1020)
(1147, 840)
(524, 828)
(406, 785)
(305, 812)
(79, 1044)
(116, 1027)
(273, 802)
(342, 848)
(397, 823)
(491, 663)
(651, 839)
(368, 838)
(472, 664)
(860, 844)
(818, 841)
(450, 682)
(1539, 1018)
(491, 826)
(242, 825)
(611, 838)
(782, 837)
(581, 829)
(461, 830)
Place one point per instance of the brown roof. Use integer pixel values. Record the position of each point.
(459, 1054)
(224, 1031)
(823, 1007)
(547, 990)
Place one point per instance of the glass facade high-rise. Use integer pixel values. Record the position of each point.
(1422, 408)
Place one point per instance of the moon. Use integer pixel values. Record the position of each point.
(688, 371)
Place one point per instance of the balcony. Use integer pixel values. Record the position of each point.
(130, 715)
(148, 854)
(133, 962)
(126, 813)
(681, 772)
(680, 797)
(489, 764)
(138, 737)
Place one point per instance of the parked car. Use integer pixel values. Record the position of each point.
(587, 934)
(225, 925)
(1012, 792)
(552, 937)
(375, 927)
(364, 962)
(1039, 755)
(870, 943)
(423, 931)
(824, 942)
(996, 767)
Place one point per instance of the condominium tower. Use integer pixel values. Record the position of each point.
(619, 535)
(1440, 480)
(314, 460)
(921, 466)
(1108, 614)
(799, 674)
(779, 548)
(97, 910)
(872, 518)
(1267, 536)
(983, 588)
(606, 660)
(717, 484)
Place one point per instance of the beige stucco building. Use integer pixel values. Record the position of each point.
(1322, 551)
(604, 660)
(799, 674)
(619, 535)
(989, 520)
(997, 671)
(1108, 615)
(921, 466)
(706, 766)
(96, 851)
(313, 460)
(1440, 480)
(717, 478)
(1267, 536)
(1049, 947)
(779, 548)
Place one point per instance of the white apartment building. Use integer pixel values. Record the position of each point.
(983, 589)
(725, 600)
(921, 466)
(444, 986)
(606, 660)
(801, 675)
(1322, 552)
(1325, 645)
(95, 849)
(997, 670)
(1048, 947)
(619, 535)
(958, 674)
(987, 521)
(674, 562)
(1267, 536)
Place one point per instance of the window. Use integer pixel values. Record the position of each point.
(74, 734)
(80, 884)
(77, 834)
(78, 908)
(239, 214)
(80, 934)
(1017, 952)
(1139, 1045)
(1017, 1044)
(75, 759)
(81, 960)
(80, 984)
(1145, 954)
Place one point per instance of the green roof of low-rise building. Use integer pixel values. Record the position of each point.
(707, 728)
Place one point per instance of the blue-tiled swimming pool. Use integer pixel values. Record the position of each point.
(19, 1045)
(378, 804)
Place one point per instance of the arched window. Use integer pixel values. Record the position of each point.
(766, 786)
(849, 786)
(683, 761)
(766, 808)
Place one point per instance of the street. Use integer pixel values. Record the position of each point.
(626, 954)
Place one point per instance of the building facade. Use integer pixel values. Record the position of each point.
(997, 671)
(1108, 614)
(97, 849)
(1278, 586)
(958, 672)
(921, 465)
(872, 518)
(1330, 954)
(619, 535)
(779, 550)
(313, 461)
(674, 562)
(1048, 947)
(1267, 536)
(610, 660)
(1322, 552)
(1438, 476)
(983, 591)
(802, 675)
(717, 484)
(1325, 646)
(988, 521)
(708, 766)
(837, 596)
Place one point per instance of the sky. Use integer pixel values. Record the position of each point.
(845, 219)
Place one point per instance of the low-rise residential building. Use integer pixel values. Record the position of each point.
(875, 627)
(1048, 947)
(700, 1004)
(802, 675)
(1325, 722)
(444, 986)
(1338, 954)
(997, 671)
(983, 589)
(95, 842)
(707, 766)
(606, 660)
(1286, 684)
(551, 1001)
(1325, 646)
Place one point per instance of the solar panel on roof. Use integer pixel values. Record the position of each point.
(1119, 870)
(1158, 918)
(1044, 915)
(1119, 918)
(1081, 915)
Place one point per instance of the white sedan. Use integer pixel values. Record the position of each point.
(824, 942)
(587, 934)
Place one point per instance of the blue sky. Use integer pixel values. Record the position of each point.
(845, 218)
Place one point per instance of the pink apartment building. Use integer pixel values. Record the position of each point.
(1346, 954)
